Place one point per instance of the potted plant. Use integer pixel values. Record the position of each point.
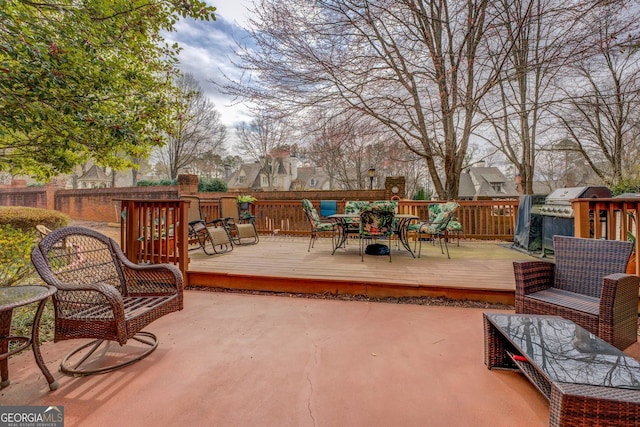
(244, 200)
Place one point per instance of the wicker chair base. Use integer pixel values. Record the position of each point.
(79, 362)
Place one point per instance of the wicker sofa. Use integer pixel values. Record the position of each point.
(587, 285)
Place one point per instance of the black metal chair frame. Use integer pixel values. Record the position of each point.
(438, 231)
(317, 225)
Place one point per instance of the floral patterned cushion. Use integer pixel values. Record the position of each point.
(454, 226)
(311, 212)
(391, 205)
(439, 219)
(325, 226)
(376, 221)
(355, 206)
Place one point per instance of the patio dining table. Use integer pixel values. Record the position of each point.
(344, 220)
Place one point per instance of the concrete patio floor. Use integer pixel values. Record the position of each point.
(234, 359)
(258, 360)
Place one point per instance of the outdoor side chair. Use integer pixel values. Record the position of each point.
(241, 229)
(103, 296)
(212, 237)
(587, 284)
(376, 223)
(353, 207)
(317, 225)
(436, 228)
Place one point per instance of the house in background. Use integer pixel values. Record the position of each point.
(480, 182)
(311, 178)
(250, 176)
(94, 177)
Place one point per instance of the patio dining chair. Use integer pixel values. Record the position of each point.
(241, 228)
(103, 296)
(376, 223)
(212, 237)
(317, 225)
(436, 228)
(352, 225)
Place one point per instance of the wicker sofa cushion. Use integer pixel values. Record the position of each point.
(582, 263)
(568, 299)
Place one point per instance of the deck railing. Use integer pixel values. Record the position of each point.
(155, 231)
(488, 220)
(611, 219)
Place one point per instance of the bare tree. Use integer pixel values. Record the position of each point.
(600, 113)
(543, 37)
(197, 131)
(346, 147)
(265, 140)
(418, 67)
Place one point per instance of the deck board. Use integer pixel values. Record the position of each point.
(475, 269)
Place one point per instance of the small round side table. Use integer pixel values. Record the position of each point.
(17, 296)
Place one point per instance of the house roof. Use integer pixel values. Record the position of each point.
(95, 174)
(306, 173)
(481, 182)
(250, 170)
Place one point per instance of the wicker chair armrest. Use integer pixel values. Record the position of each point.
(619, 295)
(154, 279)
(532, 276)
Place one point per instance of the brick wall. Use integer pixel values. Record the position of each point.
(33, 197)
(103, 204)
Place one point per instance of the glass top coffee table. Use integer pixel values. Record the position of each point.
(587, 381)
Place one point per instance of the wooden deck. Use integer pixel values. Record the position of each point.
(477, 270)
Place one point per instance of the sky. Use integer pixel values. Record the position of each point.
(207, 51)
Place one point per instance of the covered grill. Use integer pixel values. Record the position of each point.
(557, 213)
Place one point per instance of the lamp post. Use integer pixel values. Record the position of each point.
(372, 174)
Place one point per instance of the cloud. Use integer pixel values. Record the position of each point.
(208, 52)
(236, 11)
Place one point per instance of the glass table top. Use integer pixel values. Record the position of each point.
(565, 352)
(15, 296)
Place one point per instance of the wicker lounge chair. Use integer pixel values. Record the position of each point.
(587, 285)
(103, 296)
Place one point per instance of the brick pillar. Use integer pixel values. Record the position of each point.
(394, 183)
(187, 185)
(51, 188)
